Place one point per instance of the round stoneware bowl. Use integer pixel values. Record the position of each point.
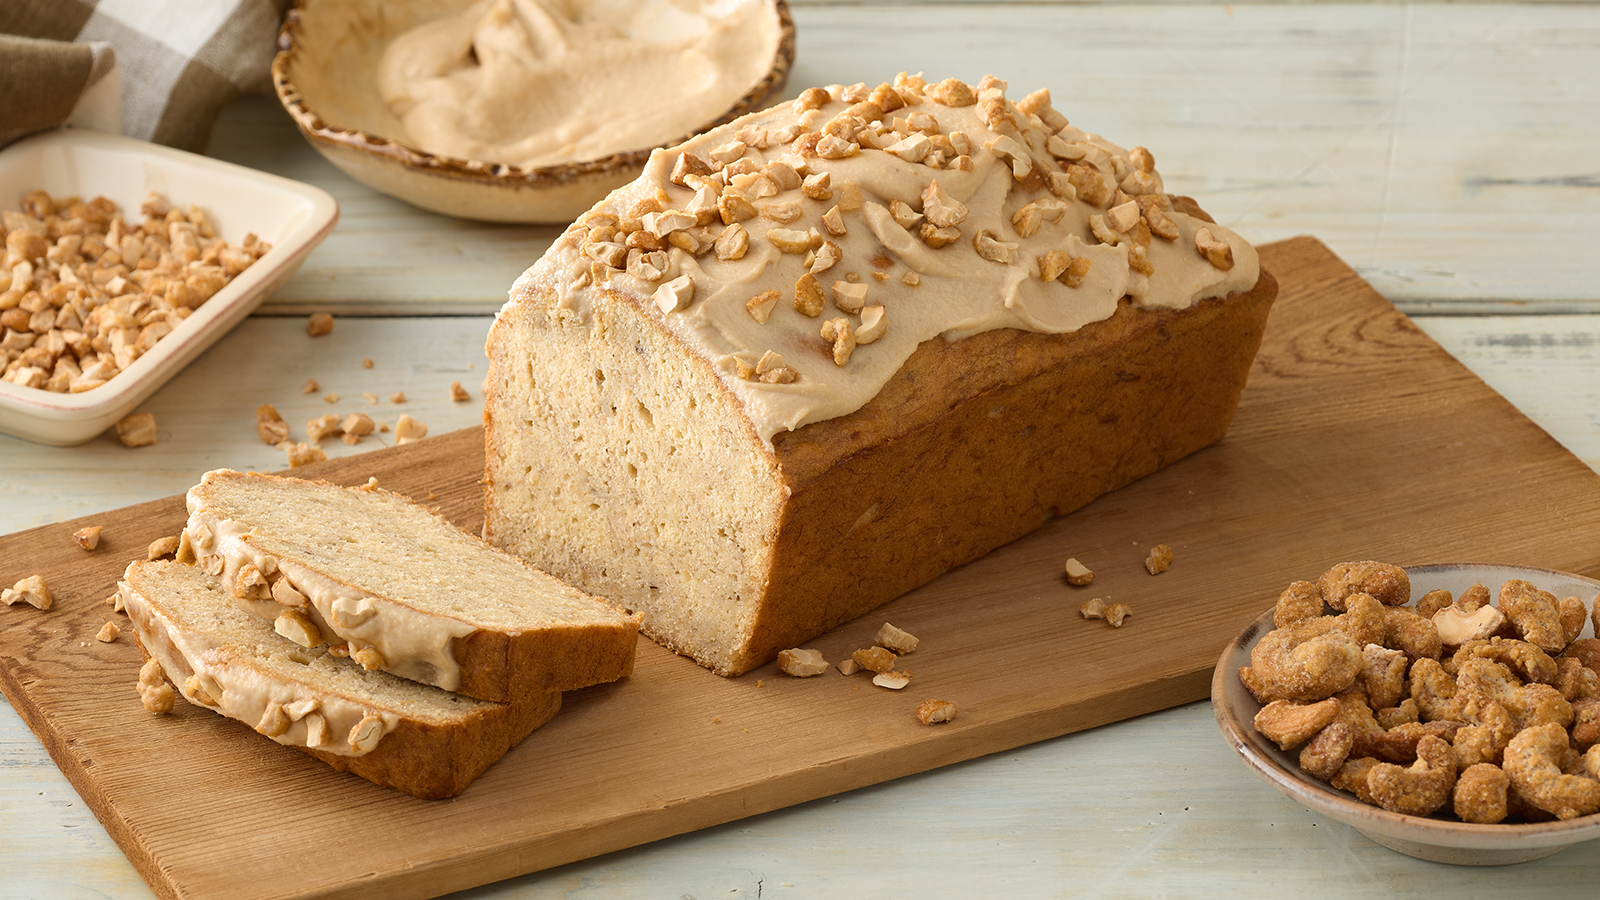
(325, 76)
(1443, 840)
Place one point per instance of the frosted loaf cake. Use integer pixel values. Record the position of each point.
(815, 357)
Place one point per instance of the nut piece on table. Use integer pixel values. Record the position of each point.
(88, 537)
(458, 393)
(311, 386)
(1078, 573)
(270, 426)
(356, 426)
(848, 666)
(875, 658)
(154, 692)
(108, 633)
(892, 638)
(319, 324)
(1116, 612)
(302, 454)
(932, 712)
(894, 681)
(137, 430)
(1159, 560)
(408, 429)
(1093, 609)
(167, 546)
(31, 590)
(802, 663)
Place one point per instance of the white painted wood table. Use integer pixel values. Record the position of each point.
(1447, 152)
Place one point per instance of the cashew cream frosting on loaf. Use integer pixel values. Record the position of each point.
(411, 737)
(743, 361)
(398, 588)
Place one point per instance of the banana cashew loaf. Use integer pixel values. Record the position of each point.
(815, 357)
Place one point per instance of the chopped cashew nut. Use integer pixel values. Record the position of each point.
(1093, 609)
(167, 546)
(1159, 560)
(408, 429)
(802, 663)
(31, 590)
(458, 393)
(137, 430)
(1078, 573)
(319, 324)
(88, 537)
(932, 712)
(675, 295)
(875, 658)
(874, 323)
(894, 639)
(1117, 612)
(894, 681)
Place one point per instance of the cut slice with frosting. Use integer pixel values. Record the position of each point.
(414, 738)
(399, 588)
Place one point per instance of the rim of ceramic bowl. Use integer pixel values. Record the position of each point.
(314, 126)
(1268, 762)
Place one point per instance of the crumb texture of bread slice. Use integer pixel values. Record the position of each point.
(407, 591)
(408, 736)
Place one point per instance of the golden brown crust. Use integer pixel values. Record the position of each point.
(998, 432)
(433, 763)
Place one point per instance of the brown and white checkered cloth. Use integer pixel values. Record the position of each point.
(157, 70)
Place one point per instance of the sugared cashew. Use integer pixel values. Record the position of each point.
(1299, 602)
(1325, 753)
(1159, 560)
(1293, 666)
(932, 712)
(1388, 583)
(1534, 613)
(1420, 789)
(1480, 794)
(1522, 658)
(1532, 763)
(1292, 724)
(1432, 602)
(1414, 635)
(1573, 614)
(1117, 612)
(1383, 674)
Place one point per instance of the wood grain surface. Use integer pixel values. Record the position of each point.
(1358, 438)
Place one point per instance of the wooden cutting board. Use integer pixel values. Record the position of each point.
(1358, 438)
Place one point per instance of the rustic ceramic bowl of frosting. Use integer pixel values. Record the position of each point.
(520, 110)
(1443, 840)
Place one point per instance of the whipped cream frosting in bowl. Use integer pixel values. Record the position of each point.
(520, 110)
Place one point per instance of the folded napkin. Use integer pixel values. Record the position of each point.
(157, 70)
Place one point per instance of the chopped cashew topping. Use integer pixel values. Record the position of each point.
(31, 590)
(874, 323)
(1093, 609)
(675, 295)
(319, 324)
(894, 681)
(761, 305)
(1159, 560)
(408, 429)
(108, 632)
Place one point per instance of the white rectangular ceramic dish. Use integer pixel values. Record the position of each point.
(291, 216)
